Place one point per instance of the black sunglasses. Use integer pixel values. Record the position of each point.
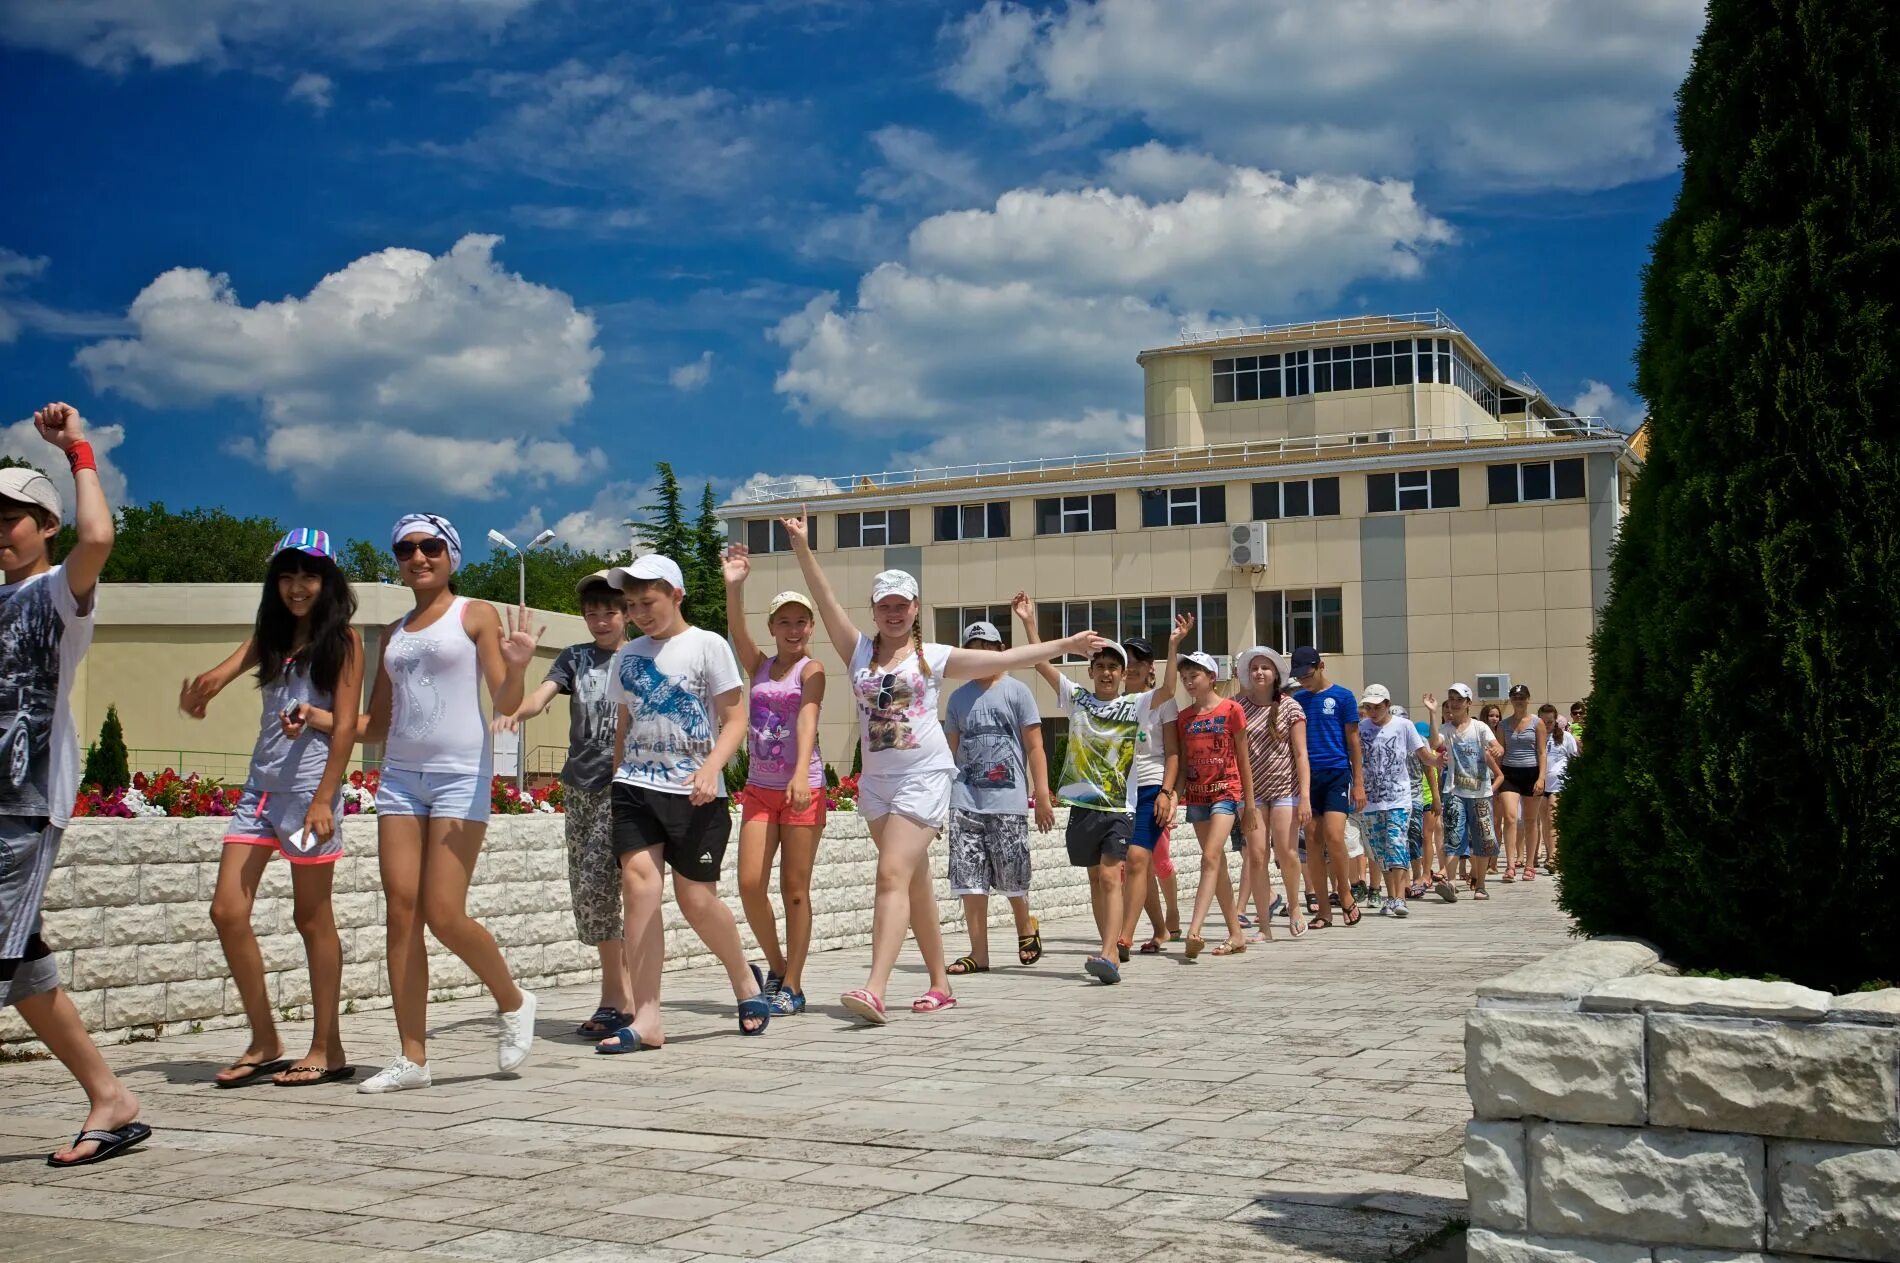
(406, 548)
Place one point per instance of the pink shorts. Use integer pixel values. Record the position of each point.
(774, 806)
(1164, 867)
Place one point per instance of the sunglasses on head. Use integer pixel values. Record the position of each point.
(406, 548)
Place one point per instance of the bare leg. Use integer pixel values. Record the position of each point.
(718, 929)
(1507, 809)
(642, 886)
(1280, 826)
(616, 988)
(1139, 894)
(758, 845)
(55, 1019)
(1019, 908)
(1333, 830)
(1107, 876)
(399, 854)
(1171, 893)
(316, 920)
(976, 914)
(1221, 828)
(924, 923)
(1255, 868)
(453, 848)
(1551, 829)
(240, 869)
(902, 846)
(798, 852)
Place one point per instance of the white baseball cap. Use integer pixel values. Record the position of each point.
(1459, 690)
(784, 599)
(985, 632)
(30, 486)
(1244, 663)
(1204, 661)
(1111, 647)
(651, 567)
(893, 583)
(1374, 694)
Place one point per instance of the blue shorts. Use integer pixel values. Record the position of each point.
(1385, 838)
(1331, 789)
(1147, 832)
(274, 817)
(437, 795)
(1198, 813)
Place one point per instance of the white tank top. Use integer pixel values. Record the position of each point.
(435, 706)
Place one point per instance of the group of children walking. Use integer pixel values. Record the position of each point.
(653, 722)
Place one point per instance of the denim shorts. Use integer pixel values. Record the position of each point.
(1198, 813)
(1147, 832)
(437, 795)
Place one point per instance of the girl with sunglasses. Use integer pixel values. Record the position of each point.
(432, 804)
(904, 790)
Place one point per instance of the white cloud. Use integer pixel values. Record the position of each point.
(117, 35)
(1095, 432)
(18, 312)
(694, 374)
(1600, 399)
(598, 527)
(1015, 328)
(406, 368)
(313, 90)
(782, 485)
(593, 221)
(917, 170)
(1502, 94)
(22, 441)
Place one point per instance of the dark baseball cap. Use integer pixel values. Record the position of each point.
(1139, 647)
(1305, 661)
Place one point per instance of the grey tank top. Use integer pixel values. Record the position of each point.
(1520, 743)
(277, 762)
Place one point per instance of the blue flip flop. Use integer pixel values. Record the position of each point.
(757, 1008)
(111, 1144)
(629, 1042)
(1102, 968)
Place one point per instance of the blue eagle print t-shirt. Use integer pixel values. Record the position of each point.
(671, 690)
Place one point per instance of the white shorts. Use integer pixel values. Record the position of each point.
(923, 796)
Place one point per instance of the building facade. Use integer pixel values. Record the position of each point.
(1375, 487)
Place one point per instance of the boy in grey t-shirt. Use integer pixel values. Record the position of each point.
(995, 734)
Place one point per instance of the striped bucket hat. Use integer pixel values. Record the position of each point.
(306, 539)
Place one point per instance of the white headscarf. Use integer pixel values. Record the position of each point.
(429, 524)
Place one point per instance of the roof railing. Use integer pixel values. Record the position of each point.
(1161, 460)
(1343, 326)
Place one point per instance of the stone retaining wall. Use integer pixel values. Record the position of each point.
(128, 912)
(1626, 1115)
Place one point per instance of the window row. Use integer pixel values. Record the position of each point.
(1151, 617)
(1537, 480)
(1309, 616)
(1360, 366)
(952, 619)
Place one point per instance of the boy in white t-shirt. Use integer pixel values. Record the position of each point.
(1471, 752)
(1391, 744)
(46, 621)
(679, 705)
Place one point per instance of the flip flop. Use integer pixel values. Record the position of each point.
(606, 1021)
(966, 965)
(256, 1070)
(933, 1001)
(1153, 947)
(1230, 949)
(755, 1008)
(1319, 923)
(626, 1040)
(1353, 915)
(310, 1076)
(1102, 969)
(1029, 946)
(1295, 927)
(865, 1005)
(111, 1144)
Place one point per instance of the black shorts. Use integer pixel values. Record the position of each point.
(1098, 837)
(1519, 780)
(694, 838)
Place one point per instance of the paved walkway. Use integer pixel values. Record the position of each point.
(1303, 1101)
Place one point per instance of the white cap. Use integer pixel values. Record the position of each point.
(1244, 663)
(1374, 694)
(893, 583)
(985, 632)
(1204, 661)
(784, 599)
(1459, 690)
(30, 486)
(650, 567)
(1111, 647)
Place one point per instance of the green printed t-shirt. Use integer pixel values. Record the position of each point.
(1100, 754)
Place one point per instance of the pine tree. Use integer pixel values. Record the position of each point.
(662, 527)
(108, 764)
(707, 571)
(1734, 802)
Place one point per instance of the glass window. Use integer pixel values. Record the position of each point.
(1296, 499)
(997, 511)
(947, 519)
(1445, 488)
(766, 535)
(1330, 632)
(1102, 512)
(1382, 494)
(1266, 501)
(1287, 620)
(848, 530)
(1502, 481)
(1049, 516)
(1415, 489)
(1569, 479)
(1325, 497)
(1537, 480)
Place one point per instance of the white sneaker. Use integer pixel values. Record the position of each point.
(1397, 906)
(398, 1076)
(517, 1034)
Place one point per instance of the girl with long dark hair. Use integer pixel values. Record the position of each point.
(308, 661)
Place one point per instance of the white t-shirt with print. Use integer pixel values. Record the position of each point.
(43, 636)
(897, 712)
(1099, 756)
(1388, 752)
(1468, 773)
(671, 690)
(1151, 753)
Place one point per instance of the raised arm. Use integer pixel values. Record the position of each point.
(974, 664)
(504, 655)
(1025, 611)
(1171, 674)
(196, 694)
(533, 704)
(737, 566)
(844, 634)
(61, 425)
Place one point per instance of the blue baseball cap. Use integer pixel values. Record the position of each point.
(306, 539)
(1305, 661)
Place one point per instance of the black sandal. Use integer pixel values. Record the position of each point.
(1029, 946)
(606, 1021)
(311, 1076)
(254, 1070)
(1353, 914)
(966, 965)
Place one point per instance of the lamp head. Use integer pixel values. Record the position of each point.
(501, 541)
(542, 538)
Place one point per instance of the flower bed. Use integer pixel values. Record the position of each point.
(182, 797)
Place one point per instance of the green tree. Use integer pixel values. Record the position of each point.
(697, 546)
(156, 545)
(108, 764)
(662, 527)
(365, 562)
(554, 574)
(708, 572)
(1735, 799)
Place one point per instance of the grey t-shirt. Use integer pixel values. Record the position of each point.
(988, 723)
(580, 671)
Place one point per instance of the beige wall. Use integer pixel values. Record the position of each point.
(150, 638)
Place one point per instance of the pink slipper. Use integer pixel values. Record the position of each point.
(933, 1001)
(864, 1005)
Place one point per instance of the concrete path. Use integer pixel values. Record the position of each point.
(1302, 1101)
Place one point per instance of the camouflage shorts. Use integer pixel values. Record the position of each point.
(593, 877)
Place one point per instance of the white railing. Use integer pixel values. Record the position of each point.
(1111, 464)
(1344, 326)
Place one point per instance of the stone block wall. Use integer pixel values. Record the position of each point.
(128, 912)
(1625, 1114)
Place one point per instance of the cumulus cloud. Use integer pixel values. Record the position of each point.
(22, 441)
(776, 486)
(405, 367)
(1600, 399)
(117, 35)
(600, 526)
(19, 312)
(918, 170)
(314, 90)
(1506, 94)
(1016, 327)
(694, 374)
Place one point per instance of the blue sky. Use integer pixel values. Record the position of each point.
(335, 259)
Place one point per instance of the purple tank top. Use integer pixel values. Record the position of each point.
(772, 737)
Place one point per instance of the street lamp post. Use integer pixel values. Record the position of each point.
(521, 562)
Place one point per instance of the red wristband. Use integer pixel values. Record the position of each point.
(79, 456)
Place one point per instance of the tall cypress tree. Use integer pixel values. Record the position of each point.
(662, 527)
(1736, 799)
(708, 569)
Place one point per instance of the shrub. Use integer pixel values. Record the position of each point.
(1735, 801)
(108, 764)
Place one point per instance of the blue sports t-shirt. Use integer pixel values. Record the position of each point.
(1327, 715)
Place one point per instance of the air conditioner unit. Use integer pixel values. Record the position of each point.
(1493, 686)
(1247, 546)
(1223, 666)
